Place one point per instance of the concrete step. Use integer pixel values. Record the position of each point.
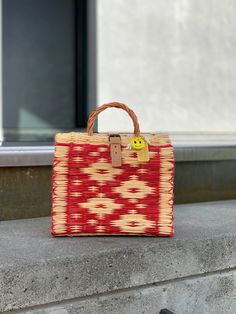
(193, 272)
(25, 192)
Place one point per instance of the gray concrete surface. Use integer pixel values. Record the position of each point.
(202, 295)
(173, 62)
(38, 271)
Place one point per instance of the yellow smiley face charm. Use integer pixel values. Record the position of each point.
(137, 143)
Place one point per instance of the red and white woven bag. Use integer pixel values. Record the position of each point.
(112, 184)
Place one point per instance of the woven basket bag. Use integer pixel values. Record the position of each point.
(112, 184)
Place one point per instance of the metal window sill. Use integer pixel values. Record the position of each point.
(17, 156)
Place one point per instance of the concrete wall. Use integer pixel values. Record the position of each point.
(174, 62)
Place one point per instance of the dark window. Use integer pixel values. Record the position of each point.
(44, 68)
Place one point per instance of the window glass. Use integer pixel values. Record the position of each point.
(39, 62)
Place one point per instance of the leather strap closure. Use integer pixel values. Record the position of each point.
(115, 150)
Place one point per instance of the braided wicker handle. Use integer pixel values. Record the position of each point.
(93, 116)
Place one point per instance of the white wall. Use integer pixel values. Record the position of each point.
(1, 126)
(174, 62)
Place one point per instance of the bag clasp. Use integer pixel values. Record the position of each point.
(115, 150)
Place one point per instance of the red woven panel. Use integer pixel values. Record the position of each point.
(101, 199)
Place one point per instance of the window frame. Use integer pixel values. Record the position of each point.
(187, 147)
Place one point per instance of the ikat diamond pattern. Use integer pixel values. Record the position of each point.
(92, 197)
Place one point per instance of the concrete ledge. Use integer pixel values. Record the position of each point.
(41, 274)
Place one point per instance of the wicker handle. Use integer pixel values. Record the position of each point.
(93, 116)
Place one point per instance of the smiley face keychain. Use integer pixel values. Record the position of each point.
(140, 145)
(137, 143)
